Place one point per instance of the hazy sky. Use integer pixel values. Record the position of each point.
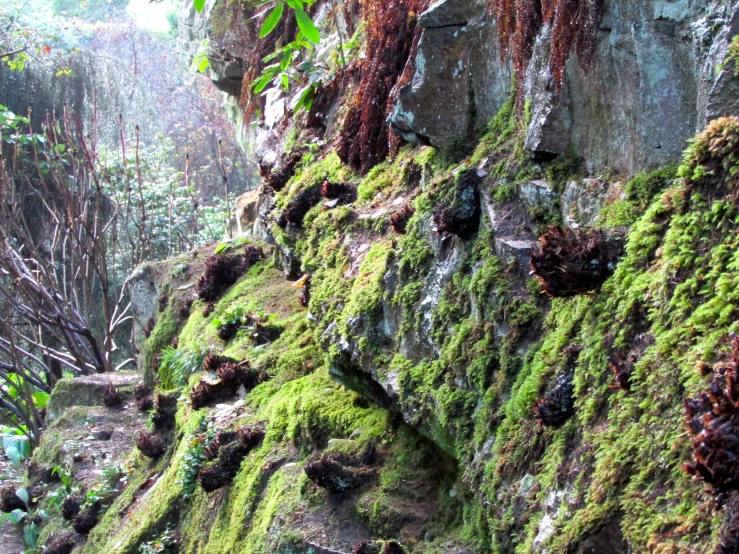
(151, 16)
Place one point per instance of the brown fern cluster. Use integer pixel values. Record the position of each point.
(557, 405)
(391, 33)
(569, 263)
(84, 521)
(165, 406)
(62, 543)
(71, 507)
(231, 377)
(343, 192)
(151, 445)
(222, 438)
(338, 473)
(399, 220)
(223, 271)
(232, 447)
(622, 362)
(278, 179)
(713, 422)
(574, 24)
(299, 206)
(111, 397)
(144, 397)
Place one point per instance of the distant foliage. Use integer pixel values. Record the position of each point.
(574, 24)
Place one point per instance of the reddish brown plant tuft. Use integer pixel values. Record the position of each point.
(331, 474)
(62, 543)
(111, 397)
(713, 423)
(399, 220)
(150, 445)
(569, 263)
(574, 25)
(221, 272)
(391, 34)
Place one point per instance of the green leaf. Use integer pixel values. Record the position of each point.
(306, 25)
(262, 83)
(221, 248)
(13, 455)
(40, 399)
(23, 495)
(204, 64)
(272, 20)
(31, 533)
(199, 5)
(17, 515)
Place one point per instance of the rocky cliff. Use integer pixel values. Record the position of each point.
(490, 312)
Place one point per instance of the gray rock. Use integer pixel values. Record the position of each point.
(582, 202)
(144, 301)
(447, 13)
(538, 194)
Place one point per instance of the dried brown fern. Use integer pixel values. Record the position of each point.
(391, 33)
(574, 25)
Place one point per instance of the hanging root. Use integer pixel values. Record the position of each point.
(574, 24)
(713, 423)
(391, 33)
(150, 445)
(221, 272)
(569, 263)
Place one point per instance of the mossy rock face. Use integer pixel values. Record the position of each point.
(87, 390)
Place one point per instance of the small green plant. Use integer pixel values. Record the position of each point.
(56, 498)
(230, 245)
(732, 56)
(194, 457)
(166, 543)
(29, 518)
(177, 365)
(201, 62)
